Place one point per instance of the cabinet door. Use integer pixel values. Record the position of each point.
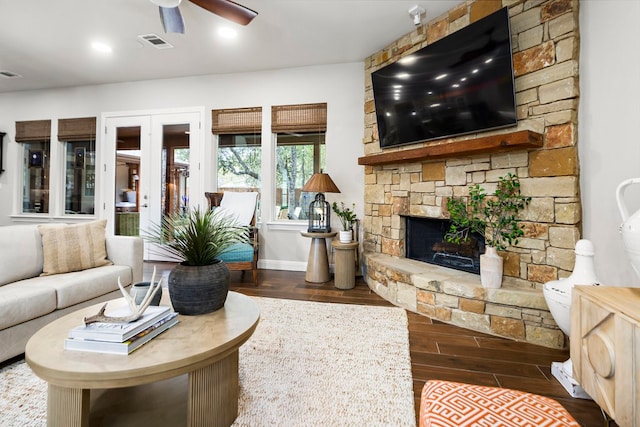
(603, 356)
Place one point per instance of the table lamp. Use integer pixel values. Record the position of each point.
(319, 208)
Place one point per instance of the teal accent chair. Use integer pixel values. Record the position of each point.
(240, 256)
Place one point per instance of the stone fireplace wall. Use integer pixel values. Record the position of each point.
(545, 40)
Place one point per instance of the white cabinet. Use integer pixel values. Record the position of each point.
(605, 348)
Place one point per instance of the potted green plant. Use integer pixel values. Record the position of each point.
(200, 282)
(494, 217)
(347, 218)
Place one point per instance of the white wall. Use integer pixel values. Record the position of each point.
(340, 86)
(609, 128)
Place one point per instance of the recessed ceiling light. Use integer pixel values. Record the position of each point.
(227, 32)
(101, 47)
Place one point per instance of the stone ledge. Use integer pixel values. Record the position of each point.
(458, 298)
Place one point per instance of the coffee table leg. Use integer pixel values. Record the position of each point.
(213, 394)
(67, 407)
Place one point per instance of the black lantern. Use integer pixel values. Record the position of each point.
(319, 209)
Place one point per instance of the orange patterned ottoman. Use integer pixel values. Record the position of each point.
(450, 404)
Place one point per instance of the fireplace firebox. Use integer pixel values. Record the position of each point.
(425, 242)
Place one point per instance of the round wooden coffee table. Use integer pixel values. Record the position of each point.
(196, 361)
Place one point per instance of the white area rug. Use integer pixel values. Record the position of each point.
(307, 364)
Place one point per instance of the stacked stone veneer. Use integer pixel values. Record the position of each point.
(545, 42)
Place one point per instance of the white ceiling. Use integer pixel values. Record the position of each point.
(47, 42)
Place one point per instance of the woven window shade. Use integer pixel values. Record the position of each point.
(299, 118)
(81, 129)
(33, 130)
(236, 121)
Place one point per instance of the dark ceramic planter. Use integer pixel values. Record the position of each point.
(198, 289)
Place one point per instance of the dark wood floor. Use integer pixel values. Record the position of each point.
(438, 350)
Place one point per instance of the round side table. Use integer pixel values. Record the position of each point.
(318, 262)
(345, 264)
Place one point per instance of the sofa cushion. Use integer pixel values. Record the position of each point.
(20, 302)
(73, 247)
(79, 286)
(24, 258)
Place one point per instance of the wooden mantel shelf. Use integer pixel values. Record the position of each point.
(485, 144)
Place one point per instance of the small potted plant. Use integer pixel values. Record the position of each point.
(494, 217)
(347, 217)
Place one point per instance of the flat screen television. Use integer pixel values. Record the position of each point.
(460, 84)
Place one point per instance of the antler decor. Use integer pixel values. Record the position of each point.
(136, 310)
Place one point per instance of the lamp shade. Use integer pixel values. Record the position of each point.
(321, 183)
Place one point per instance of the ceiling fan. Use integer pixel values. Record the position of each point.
(172, 18)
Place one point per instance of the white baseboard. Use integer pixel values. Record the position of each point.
(274, 264)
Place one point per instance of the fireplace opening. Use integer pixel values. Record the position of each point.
(425, 242)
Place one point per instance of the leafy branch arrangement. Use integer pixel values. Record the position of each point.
(492, 216)
(347, 216)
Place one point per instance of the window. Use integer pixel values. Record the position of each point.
(300, 152)
(75, 157)
(35, 194)
(35, 136)
(78, 137)
(298, 156)
(80, 177)
(239, 148)
(239, 162)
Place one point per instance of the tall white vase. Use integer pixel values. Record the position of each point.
(491, 265)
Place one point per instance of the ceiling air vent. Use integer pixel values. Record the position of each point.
(8, 74)
(155, 41)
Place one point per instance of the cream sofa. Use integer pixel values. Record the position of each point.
(29, 301)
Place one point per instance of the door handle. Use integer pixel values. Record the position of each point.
(146, 205)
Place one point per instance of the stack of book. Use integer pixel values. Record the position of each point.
(121, 338)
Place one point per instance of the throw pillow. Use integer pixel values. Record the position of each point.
(73, 247)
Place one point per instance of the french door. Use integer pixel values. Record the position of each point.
(152, 169)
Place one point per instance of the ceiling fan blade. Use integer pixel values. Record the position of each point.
(171, 19)
(228, 9)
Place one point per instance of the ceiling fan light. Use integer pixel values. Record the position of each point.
(227, 32)
(166, 3)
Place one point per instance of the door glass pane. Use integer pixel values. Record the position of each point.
(35, 192)
(298, 156)
(80, 179)
(128, 173)
(175, 169)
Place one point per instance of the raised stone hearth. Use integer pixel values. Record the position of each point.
(456, 297)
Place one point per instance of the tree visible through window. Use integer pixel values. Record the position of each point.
(239, 162)
(239, 148)
(298, 156)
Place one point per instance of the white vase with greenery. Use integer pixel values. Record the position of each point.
(494, 217)
(347, 218)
